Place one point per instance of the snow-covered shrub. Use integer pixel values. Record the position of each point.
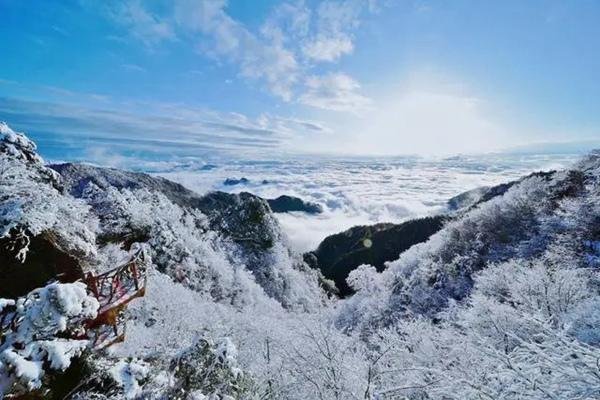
(536, 288)
(206, 368)
(527, 331)
(128, 375)
(547, 215)
(37, 340)
(113, 378)
(184, 246)
(373, 308)
(324, 364)
(209, 368)
(584, 322)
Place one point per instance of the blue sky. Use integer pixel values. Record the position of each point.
(185, 78)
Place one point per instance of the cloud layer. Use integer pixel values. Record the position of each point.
(169, 131)
(363, 190)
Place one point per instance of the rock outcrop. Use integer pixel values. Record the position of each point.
(234, 181)
(283, 204)
(35, 249)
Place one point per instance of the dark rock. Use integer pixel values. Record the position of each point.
(233, 181)
(341, 253)
(243, 217)
(285, 203)
(45, 261)
(208, 167)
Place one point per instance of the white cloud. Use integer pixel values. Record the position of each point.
(328, 48)
(288, 22)
(257, 59)
(281, 54)
(143, 25)
(336, 92)
(335, 23)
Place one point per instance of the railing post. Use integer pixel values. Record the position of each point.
(92, 283)
(135, 275)
(113, 290)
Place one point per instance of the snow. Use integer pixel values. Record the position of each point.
(128, 375)
(6, 303)
(501, 303)
(17, 144)
(196, 395)
(41, 316)
(31, 203)
(59, 352)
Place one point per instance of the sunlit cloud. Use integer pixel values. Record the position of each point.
(336, 92)
(414, 120)
(431, 123)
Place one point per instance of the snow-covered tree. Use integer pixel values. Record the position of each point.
(36, 330)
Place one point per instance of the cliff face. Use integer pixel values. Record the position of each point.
(43, 235)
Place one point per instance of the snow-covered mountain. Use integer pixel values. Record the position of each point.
(501, 303)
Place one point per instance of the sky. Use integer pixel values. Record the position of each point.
(101, 80)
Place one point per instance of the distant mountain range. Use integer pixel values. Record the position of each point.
(569, 147)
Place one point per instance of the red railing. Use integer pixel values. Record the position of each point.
(118, 286)
(113, 290)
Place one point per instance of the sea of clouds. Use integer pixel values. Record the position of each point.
(358, 191)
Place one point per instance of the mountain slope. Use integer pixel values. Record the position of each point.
(339, 254)
(501, 303)
(242, 224)
(532, 217)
